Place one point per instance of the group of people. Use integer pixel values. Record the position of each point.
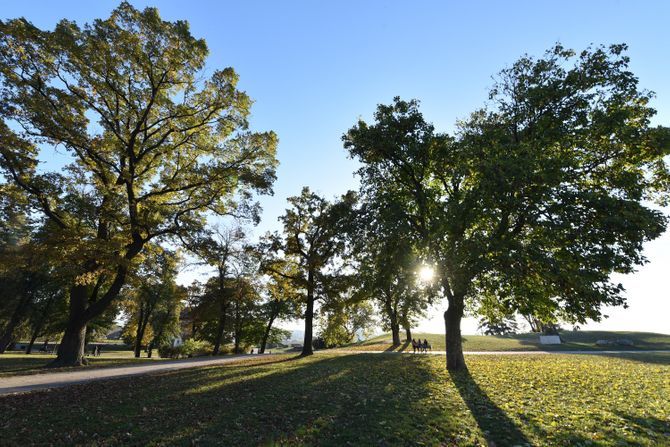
(421, 346)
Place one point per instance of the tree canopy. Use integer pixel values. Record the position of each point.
(535, 200)
(154, 144)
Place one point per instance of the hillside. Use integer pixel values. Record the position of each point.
(573, 340)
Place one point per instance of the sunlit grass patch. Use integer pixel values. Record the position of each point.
(362, 399)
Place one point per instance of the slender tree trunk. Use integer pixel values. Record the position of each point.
(141, 325)
(238, 327)
(220, 329)
(266, 334)
(29, 348)
(71, 347)
(40, 323)
(17, 316)
(408, 334)
(309, 316)
(454, 343)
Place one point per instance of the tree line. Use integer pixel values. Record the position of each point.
(527, 208)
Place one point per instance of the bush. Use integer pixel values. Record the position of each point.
(190, 348)
(195, 348)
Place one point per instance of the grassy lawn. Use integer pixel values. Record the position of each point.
(16, 363)
(574, 340)
(361, 399)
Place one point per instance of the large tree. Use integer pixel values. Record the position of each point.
(312, 238)
(153, 144)
(536, 200)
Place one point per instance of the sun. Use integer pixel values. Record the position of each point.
(426, 273)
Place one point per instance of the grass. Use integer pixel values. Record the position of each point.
(16, 363)
(574, 340)
(361, 399)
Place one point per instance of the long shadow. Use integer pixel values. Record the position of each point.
(356, 399)
(397, 348)
(493, 422)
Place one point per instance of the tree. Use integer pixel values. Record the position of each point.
(282, 299)
(155, 146)
(222, 249)
(312, 238)
(387, 264)
(153, 289)
(535, 201)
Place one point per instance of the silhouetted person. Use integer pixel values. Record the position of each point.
(425, 345)
(414, 345)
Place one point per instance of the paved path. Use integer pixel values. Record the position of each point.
(31, 382)
(655, 351)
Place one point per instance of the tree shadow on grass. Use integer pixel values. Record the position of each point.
(497, 427)
(397, 348)
(356, 399)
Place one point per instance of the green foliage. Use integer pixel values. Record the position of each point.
(156, 142)
(190, 348)
(535, 201)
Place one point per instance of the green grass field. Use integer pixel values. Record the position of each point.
(361, 399)
(574, 340)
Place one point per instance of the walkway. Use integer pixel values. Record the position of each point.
(32, 382)
(655, 351)
(25, 383)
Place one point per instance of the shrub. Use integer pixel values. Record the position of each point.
(190, 348)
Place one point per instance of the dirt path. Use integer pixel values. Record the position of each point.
(31, 382)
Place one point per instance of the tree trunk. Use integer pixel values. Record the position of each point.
(238, 328)
(452, 323)
(266, 334)
(392, 314)
(29, 348)
(17, 316)
(71, 347)
(309, 317)
(141, 325)
(408, 334)
(395, 330)
(219, 330)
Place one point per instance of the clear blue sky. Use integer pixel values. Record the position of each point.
(314, 67)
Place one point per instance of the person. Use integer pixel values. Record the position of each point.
(425, 345)
(414, 345)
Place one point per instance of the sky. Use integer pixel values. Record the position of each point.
(315, 67)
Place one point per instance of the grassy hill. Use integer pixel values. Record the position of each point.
(573, 340)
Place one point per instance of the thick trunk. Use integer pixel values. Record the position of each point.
(408, 334)
(392, 314)
(395, 331)
(452, 322)
(71, 347)
(17, 316)
(309, 317)
(266, 334)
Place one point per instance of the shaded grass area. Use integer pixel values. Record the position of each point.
(361, 399)
(573, 340)
(18, 364)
